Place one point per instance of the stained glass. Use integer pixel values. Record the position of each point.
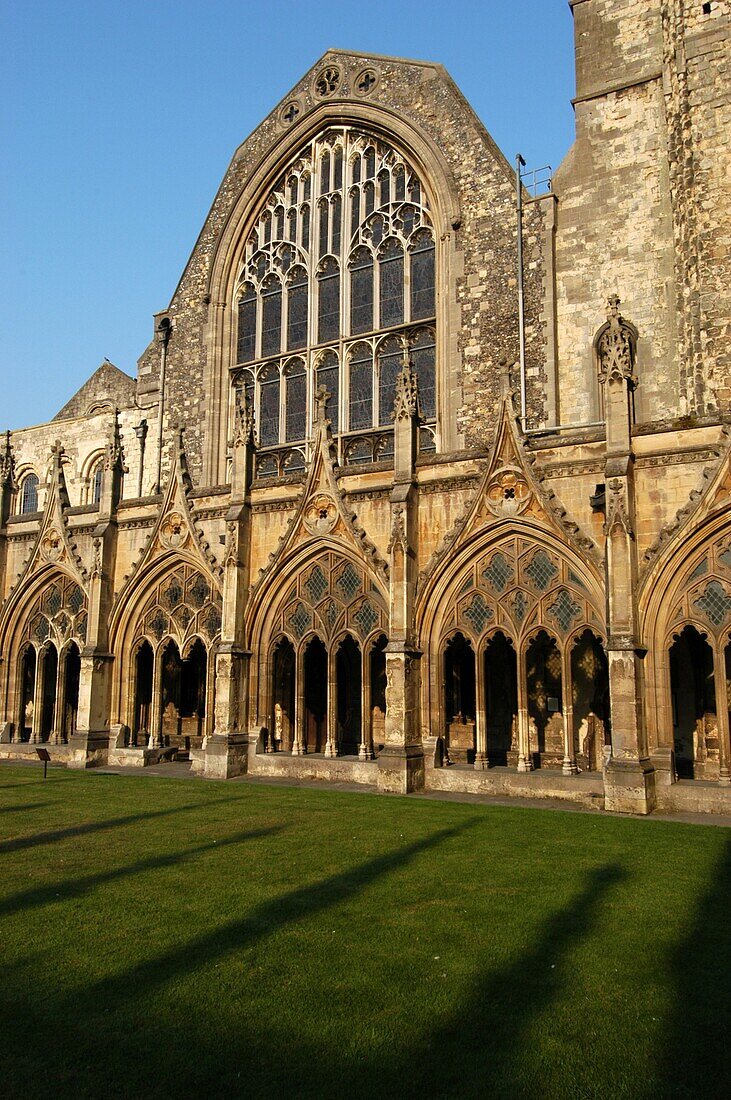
(715, 602)
(292, 225)
(325, 174)
(361, 291)
(296, 401)
(423, 354)
(564, 609)
(399, 179)
(328, 375)
(498, 572)
(370, 201)
(75, 599)
(328, 307)
(477, 613)
(361, 388)
(316, 584)
(323, 208)
(279, 223)
(366, 617)
(354, 209)
(384, 181)
(348, 582)
(335, 220)
(269, 414)
(297, 309)
(338, 169)
(306, 228)
(271, 323)
(541, 569)
(370, 163)
(422, 277)
(390, 358)
(359, 452)
(391, 284)
(246, 343)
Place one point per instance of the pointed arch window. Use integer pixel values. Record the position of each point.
(97, 475)
(29, 494)
(348, 204)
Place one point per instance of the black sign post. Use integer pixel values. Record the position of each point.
(45, 756)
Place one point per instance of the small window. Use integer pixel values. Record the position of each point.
(29, 494)
(97, 475)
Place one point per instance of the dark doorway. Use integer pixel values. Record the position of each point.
(545, 700)
(144, 663)
(348, 676)
(283, 695)
(170, 694)
(501, 701)
(192, 705)
(460, 699)
(590, 699)
(695, 724)
(378, 693)
(72, 675)
(27, 693)
(315, 716)
(49, 665)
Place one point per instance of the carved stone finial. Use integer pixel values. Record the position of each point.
(58, 451)
(244, 423)
(615, 347)
(113, 452)
(406, 400)
(7, 463)
(321, 399)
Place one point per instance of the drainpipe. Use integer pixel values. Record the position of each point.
(520, 163)
(141, 433)
(164, 328)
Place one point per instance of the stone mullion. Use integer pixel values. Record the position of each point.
(331, 704)
(569, 766)
(525, 758)
(722, 713)
(58, 734)
(299, 742)
(35, 733)
(154, 734)
(365, 750)
(481, 717)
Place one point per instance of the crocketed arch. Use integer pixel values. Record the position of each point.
(417, 150)
(321, 591)
(691, 586)
(513, 579)
(173, 600)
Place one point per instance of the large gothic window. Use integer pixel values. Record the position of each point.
(340, 270)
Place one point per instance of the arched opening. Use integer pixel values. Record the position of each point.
(590, 701)
(695, 723)
(501, 701)
(72, 674)
(49, 672)
(348, 677)
(545, 699)
(170, 670)
(192, 705)
(27, 694)
(378, 693)
(144, 662)
(460, 699)
(283, 696)
(315, 696)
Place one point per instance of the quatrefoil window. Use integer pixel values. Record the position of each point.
(328, 81)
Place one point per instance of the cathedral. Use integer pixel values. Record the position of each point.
(424, 479)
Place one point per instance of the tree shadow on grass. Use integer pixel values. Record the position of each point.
(693, 1057)
(61, 891)
(20, 843)
(26, 806)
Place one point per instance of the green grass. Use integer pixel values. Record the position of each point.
(162, 937)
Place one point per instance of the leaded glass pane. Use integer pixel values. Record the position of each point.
(361, 291)
(423, 354)
(715, 603)
(269, 413)
(370, 163)
(356, 170)
(306, 228)
(370, 201)
(271, 322)
(325, 174)
(391, 284)
(279, 223)
(338, 169)
(564, 609)
(292, 225)
(246, 342)
(297, 310)
(399, 179)
(29, 494)
(541, 569)
(384, 181)
(354, 210)
(390, 357)
(422, 277)
(328, 313)
(296, 402)
(348, 582)
(335, 219)
(361, 388)
(328, 375)
(323, 228)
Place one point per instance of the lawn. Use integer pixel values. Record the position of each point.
(180, 938)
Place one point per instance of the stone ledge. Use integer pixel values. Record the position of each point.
(339, 769)
(586, 789)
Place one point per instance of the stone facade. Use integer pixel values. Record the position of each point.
(450, 594)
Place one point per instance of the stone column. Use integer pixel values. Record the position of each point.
(226, 752)
(481, 716)
(331, 706)
(629, 779)
(299, 741)
(724, 745)
(34, 737)
(59, 708)
(365, 749)
(90, 743)
(569, 766)
(401, 763)
(525, 756)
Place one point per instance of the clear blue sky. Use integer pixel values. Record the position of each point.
(119, 120)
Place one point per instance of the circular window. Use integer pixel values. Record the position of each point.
(327, 82)
(365, 81)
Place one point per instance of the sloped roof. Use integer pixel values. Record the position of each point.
(107, 384)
